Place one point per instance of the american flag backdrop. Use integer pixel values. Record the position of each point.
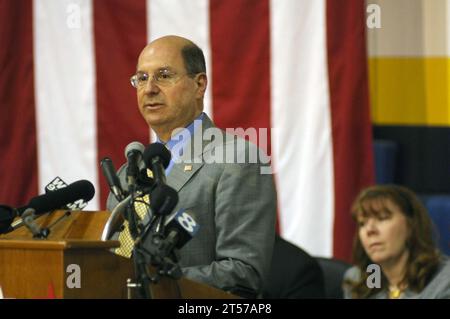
(297, 68)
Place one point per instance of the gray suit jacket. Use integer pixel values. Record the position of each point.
(235, 206)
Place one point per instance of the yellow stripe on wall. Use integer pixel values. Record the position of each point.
(410, 91)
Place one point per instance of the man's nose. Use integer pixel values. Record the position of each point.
(151, 87)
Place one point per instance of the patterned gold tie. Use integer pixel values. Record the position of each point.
(141, 206)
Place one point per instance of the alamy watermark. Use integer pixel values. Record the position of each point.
(74, 276)
(373, 20)
(374, 279)
(73, 19)
(217, 146)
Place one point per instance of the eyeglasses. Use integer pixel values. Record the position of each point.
(163, 77)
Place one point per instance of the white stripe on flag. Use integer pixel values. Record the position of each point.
(65, 92)
(189, 19)
(302, 139)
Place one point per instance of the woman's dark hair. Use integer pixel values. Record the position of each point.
(423, 255)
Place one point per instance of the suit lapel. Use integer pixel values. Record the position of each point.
(179, 176)
(191, 161)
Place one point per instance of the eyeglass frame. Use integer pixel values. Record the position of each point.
(133, 78)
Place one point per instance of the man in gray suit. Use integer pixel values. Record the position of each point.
(216, 175)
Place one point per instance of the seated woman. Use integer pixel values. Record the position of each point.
(395, 232)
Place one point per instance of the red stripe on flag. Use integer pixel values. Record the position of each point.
(351, 126)
(18, 162)
(120, 34)
(241, 81)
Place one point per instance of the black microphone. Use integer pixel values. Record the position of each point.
(163, 199)
(111, 178)
(58, 183)
(133, 154)
(145, 182)
(180, 228)
(157, 158)
(79, 190)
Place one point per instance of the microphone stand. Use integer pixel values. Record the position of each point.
(159, 251)
(143, 279)
(160, 247)
(28, 218)
(163, 255)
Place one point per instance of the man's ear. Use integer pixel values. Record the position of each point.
(202, 82)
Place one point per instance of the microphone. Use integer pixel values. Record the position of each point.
(82, 189)
(79, 190)
(145, 182)
(163, 199)
(157, 158)
(111, 178)
(133, 154)
(180, 228)
(58, 183)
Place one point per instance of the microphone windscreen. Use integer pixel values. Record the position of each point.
(81, 189)
(134, 146)
(157, 150)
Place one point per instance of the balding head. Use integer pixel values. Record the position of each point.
(192, 55)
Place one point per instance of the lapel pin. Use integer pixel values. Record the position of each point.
(187, 168)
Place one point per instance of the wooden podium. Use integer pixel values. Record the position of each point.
(48, 268)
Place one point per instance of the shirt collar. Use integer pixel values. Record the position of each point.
(191, 128)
